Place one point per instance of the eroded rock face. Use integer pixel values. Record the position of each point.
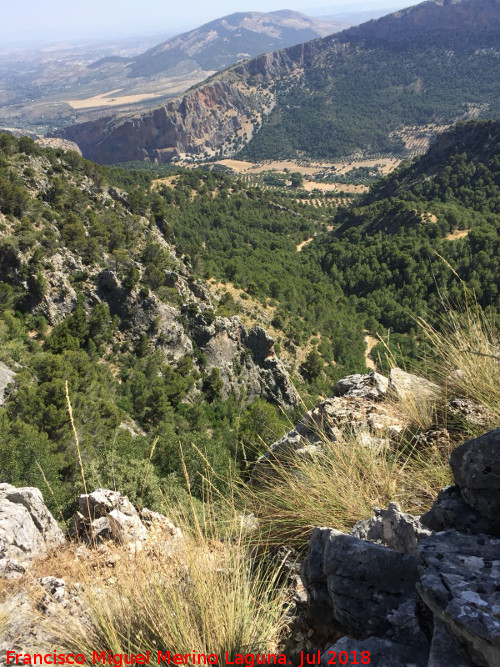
(392, 528)
(6, 377)
(362, 583)
(27, 528)
(476, 470)
(459, 581)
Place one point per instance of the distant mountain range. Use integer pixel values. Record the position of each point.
(57, 88)
(223, 42)
(383, 87)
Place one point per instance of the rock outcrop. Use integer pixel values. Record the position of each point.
(27, 529)
(425, 599)
(358, 406)
(6, 377)
(107, 515)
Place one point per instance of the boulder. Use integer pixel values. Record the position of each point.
(101, 502)
(405, 385)
(108, 515)
(444, 650)
(392, 528)
(126, 528)
(371, 421)
(476, 470)
(383, 653)
(27, 528)
(371, 385)
(360, 582)
(459, 582)
(451, 511)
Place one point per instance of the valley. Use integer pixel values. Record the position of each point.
(250, 338)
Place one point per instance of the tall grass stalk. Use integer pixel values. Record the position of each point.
(205, 595)
(466, 345)
(341, 484)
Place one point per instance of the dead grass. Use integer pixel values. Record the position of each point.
(341, 484)
(467, 349)
(206, 595)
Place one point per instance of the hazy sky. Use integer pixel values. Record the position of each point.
(47, 20)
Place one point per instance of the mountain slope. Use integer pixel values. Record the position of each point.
(222, 42)
(76, 85)
(367, 90)
(399, 251)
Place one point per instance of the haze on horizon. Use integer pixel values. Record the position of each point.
(33, 22)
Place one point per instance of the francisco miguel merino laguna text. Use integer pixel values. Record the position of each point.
(119, 659)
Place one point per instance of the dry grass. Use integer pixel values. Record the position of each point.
(467, 346)
(208, 597)
(340, 485)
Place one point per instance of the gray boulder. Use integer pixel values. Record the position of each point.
(444, 651)
(476, 470)
(406, 385)
(383, 652)
(371, 421)
(451, 511)
(362, 583)
(459, 582)
(27, 528)
(371, 385)
(392, 528)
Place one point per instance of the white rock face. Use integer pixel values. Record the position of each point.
(27, 528)
(6, 377)
(405, 385)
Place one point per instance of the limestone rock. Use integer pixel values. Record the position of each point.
(444, 651)
(405, 385)
(27, 528)
(159, 523)
(465, 410)
(361, 582)
(108, 515)
(101, 502)
(371, 421)
(451, 511)
(476, 470)
(459, 581)
(371, 385)
(6, 377)
(125, 527)
(383, 652)
(392, 528)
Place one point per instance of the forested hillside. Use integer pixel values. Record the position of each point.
(393, 251)
(125, 284)
(379, 88)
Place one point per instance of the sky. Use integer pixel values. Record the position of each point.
(24, 21)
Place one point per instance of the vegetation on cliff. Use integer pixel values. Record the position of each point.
(70, 236)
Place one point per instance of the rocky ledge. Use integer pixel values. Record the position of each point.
(410, 596)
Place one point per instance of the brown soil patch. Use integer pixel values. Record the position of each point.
(304, 243)
(310, 186)
(169, 181)
(457, 234)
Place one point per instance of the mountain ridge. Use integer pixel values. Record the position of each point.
(360, 95)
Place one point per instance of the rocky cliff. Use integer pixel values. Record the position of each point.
(433, 63)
